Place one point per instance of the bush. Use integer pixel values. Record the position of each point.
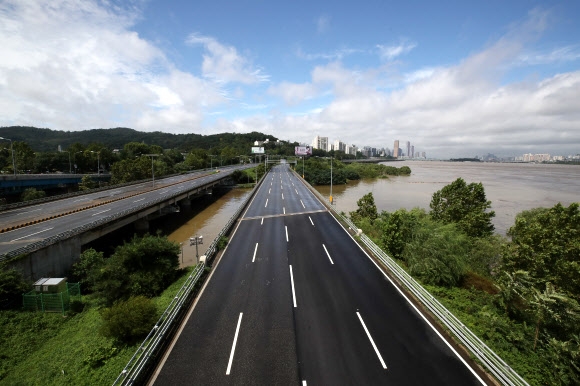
(222, 243)
(32, 194)
(12, 286)
(129, 320)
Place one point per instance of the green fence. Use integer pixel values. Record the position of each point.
(59, 302)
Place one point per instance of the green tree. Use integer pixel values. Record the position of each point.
(465, 205)
(397, 229)
(144, 266)
(366, 208)
(12, 286)
(86, 269)
(32, 194)
(437, 253)
(87, 183)
(546, 243)
(129, 320)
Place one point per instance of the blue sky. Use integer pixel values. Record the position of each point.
(452, 77)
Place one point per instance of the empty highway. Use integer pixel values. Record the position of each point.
(294, 300)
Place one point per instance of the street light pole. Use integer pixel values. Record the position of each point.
(196, 240)
(331, 180)
(152, 170)
(98, 166)
(11, 151)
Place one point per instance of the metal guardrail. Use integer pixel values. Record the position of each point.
(497, 366)
(149, 349)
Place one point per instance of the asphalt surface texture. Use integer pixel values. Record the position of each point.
(295, 301)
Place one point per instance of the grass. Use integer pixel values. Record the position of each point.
(49, 349)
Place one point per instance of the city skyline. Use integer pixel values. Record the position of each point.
(459, 78)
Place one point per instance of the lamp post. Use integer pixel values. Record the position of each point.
(12, 151)
(196, 240)
(211, 161)
(152, 172)
(98, 166)
(75, 159)
(330, 180)
(302, 167)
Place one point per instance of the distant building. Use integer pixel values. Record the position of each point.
(339, 146)
(396, 150)
(320, 143)
(412, 154)
(408, 149)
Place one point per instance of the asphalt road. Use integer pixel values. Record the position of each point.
(120, 199)
(294, 300)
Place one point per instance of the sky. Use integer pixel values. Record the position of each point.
(455, 78)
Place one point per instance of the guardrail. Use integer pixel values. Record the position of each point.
(500, 369)
(149, 349)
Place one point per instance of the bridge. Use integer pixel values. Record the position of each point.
(16, 184)
(44, 240)
(295, 300)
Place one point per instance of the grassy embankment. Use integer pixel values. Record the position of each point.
(52, 349)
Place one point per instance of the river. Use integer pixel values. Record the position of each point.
(510, 187)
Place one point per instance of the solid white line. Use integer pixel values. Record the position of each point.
(234, 344)
(47, 229)
(328, 254)
(310, 221)
(302, 204)
(265, 206)
(285, 226)
(255, 250)
(293, 292)
(372, 341)
(102, 211)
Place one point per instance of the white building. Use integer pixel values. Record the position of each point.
(320, 143)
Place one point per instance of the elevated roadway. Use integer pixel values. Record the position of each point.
(294, 300)
(46, 238)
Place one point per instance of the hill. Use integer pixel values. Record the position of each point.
(46, 140)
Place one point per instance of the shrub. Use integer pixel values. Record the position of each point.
(129, 320)
(12, 286)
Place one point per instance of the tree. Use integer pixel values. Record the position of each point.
(465, 205)
(12, 286)
(398, 228)
(144, 266)
(437, 253)
(86, 269)
(366, 208)
(87, 183)
(546, 243)
(32, 194)
(129, 320)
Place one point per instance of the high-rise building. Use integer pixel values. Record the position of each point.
(396, 149)
(408, 149)
(339, 146)
(412, 153)
(320, 143)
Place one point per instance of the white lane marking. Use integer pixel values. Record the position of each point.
(262, 222)
(265, 206)
(302, 204)
(269, 190)
(284, 210)
(282, 196)
(304, 383)
(285, 226)
(32, 234)
(141, 199)
(30, 211)
(165, 191)
(310, 221)
(293, 291)
(102, 211)
(234, 344)
(81, 199)
(372, 341)
(255, 250)
(296, 191)
(328, 254)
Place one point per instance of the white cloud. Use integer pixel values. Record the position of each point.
(293, 93)
(388, 53)
(223, 63)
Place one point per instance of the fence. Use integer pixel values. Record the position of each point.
(501, 370)
(139, 364)
(55, 302)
